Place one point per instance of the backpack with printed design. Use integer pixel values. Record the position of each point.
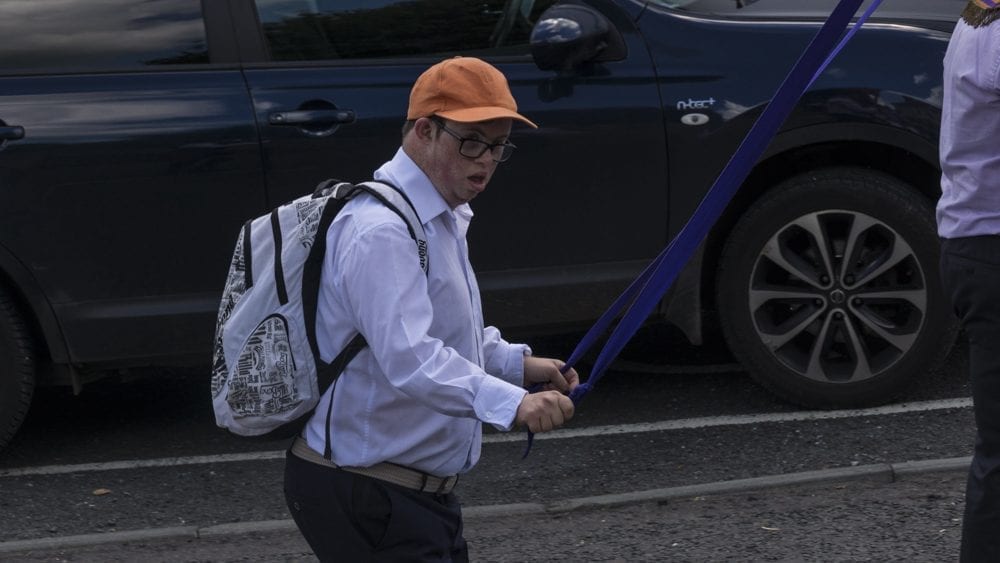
(267, 375)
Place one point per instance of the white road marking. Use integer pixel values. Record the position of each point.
(681, 424)
(735, 420)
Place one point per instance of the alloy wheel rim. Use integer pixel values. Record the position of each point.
(837, 296)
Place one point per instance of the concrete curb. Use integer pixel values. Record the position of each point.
(879, 472)
(63, 542)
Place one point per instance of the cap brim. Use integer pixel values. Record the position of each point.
(475, 115)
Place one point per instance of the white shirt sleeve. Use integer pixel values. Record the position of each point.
(503, 359)
(378, 273)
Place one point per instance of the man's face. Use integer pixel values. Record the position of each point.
(459, 178)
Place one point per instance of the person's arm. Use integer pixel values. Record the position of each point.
(503, 359)
(379, 274)
(516, 364)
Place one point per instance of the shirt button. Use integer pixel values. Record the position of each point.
(489, 414)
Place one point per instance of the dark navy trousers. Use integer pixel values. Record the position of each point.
(354, 518)
(970, 269)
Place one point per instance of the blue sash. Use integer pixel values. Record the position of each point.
(642, 296)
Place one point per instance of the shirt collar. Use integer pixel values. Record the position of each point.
(403, 173)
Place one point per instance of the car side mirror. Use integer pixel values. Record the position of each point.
(567, 36)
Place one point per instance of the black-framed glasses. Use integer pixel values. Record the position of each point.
(474, 148)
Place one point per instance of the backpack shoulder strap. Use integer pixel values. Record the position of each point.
(393, 198)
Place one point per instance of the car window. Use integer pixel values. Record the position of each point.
(307, 30)
(100, 34)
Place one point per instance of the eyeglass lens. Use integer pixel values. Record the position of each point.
(473, 148)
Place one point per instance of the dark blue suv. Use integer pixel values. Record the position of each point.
(137, 135)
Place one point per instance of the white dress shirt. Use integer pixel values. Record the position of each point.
(431, 374)
(970, 118)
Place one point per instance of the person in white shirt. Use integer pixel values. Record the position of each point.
(968, 218)
(371, 477)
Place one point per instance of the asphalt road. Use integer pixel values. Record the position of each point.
(915, 519)
(124, 457)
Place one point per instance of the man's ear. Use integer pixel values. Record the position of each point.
(423, 128)
(419, 139)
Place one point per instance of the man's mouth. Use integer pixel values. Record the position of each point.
(478, 180)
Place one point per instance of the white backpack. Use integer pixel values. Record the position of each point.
(267, 375)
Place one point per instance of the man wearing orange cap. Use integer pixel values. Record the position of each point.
(968, 217)
(371, 477)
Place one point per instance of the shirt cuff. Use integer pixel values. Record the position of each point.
(513, 372)
(497, 401)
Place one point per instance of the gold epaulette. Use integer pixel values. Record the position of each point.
(978, 14)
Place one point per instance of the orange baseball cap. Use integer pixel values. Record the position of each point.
(463, 89)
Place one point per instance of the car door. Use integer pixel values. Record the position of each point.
(130, 161)
(565, 223)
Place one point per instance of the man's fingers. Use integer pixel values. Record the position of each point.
(566, 407)
(558, 380)
(545, 411)
(546, 422)
(572, 378)
(548, 372)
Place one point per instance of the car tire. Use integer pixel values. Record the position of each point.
(17, 369)
(828, 289)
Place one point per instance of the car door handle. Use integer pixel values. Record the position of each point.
(312, 117)
(11, 133)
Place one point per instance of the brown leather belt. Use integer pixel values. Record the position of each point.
(388, 472)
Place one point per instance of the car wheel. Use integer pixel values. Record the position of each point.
(828, 289)
(17, 369)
